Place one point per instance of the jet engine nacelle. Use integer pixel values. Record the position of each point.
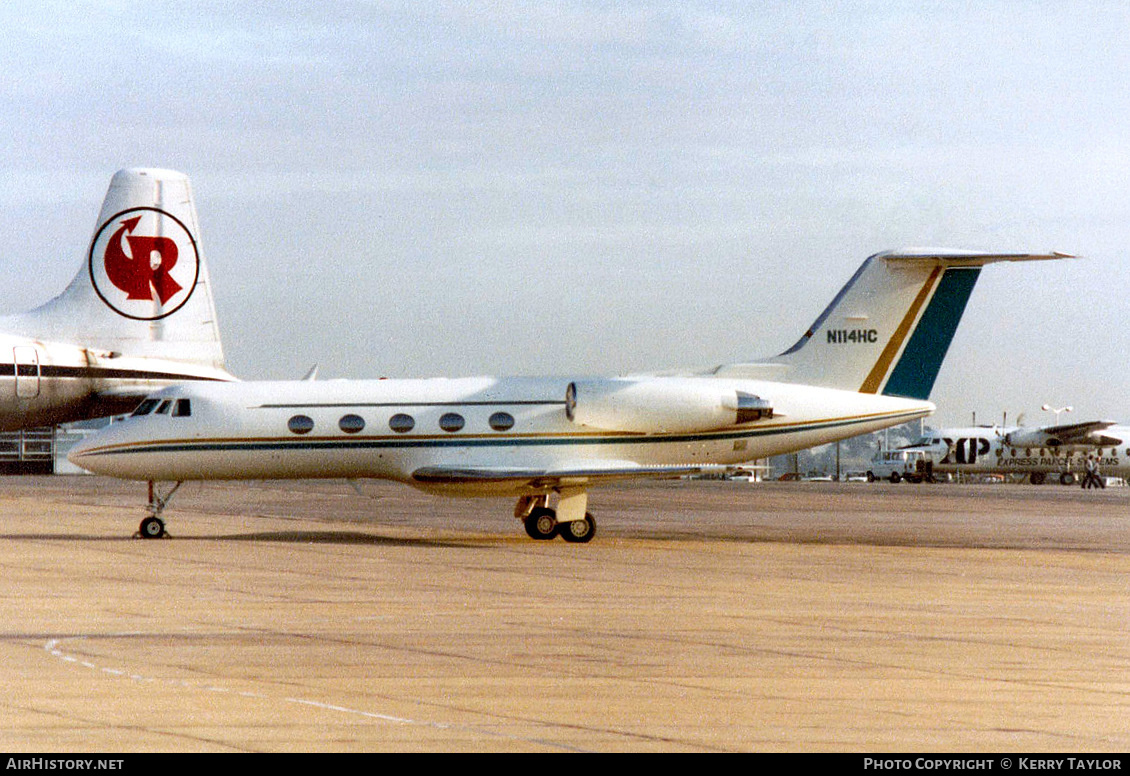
(1031, 437)
(662, 405)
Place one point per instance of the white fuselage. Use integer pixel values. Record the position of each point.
(43, 383)
(981, 450)
(394, 429)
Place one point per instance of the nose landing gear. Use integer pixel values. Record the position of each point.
(153, 527)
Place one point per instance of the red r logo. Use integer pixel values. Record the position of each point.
(147, 269)
(144, 263)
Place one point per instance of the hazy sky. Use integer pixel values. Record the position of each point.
(416, 189)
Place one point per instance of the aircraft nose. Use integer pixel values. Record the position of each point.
(86, 454)
(77, 453)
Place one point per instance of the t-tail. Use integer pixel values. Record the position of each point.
(142, 291)
(887, 331)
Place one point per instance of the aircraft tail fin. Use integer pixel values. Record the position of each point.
(143, 289)
(887, 331)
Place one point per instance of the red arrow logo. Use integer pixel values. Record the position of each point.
(146, 269)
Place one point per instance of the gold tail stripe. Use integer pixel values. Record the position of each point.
(882, 367)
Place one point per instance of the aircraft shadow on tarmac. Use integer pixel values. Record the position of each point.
(328, 537)
(283, 537)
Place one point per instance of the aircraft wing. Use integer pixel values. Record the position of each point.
(548, 478)
(1083, 433)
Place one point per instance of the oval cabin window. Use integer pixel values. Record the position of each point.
(451, 422)
(351, 424)
(300, 424)
(401, 423)
(501, 421)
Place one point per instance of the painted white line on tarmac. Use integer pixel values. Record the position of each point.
(54, 647)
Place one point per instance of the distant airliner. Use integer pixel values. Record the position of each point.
(868, 362)
(1035, 451)
(137, 316)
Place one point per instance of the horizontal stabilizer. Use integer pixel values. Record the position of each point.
(964, 258)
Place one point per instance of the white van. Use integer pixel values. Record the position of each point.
(897, 465)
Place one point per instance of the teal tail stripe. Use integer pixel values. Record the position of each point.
(914, 375)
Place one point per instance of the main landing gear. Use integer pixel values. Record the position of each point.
(153, 527)
(543, 523)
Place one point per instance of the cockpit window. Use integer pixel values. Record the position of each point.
(183, 408)
(145, 407)
(164, 408)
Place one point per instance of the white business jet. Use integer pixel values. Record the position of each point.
(137, 316)
(868, 362)
(1034, 451)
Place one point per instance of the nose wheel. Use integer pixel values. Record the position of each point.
(153, 527)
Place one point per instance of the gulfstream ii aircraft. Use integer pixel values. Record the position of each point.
(136, 317)
(1034, 451)
(868, 362)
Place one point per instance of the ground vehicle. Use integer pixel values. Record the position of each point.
(903, 464)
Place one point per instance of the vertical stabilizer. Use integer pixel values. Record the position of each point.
(143, 288)
(887, 331)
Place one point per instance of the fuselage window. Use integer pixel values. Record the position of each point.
(451, 421)
(501, 421)
(401, 423)
(183, 408)
(164, 408)
(300, 424)
(145, 407)
(351, 424)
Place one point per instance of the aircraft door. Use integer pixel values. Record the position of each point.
(25, 361)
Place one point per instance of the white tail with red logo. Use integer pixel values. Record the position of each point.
(143, 288)
(139, 313)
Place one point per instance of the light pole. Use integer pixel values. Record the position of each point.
(1050, 408)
